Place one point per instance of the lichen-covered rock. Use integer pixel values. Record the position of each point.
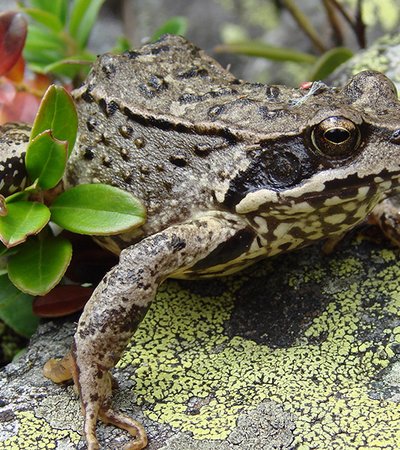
(383, 55)
(297, 351)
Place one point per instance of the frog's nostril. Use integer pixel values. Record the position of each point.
(395, 137)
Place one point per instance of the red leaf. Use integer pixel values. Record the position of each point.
(22, 108)
(17, 72)
(7, 92)
(61, 301)
(13, 29)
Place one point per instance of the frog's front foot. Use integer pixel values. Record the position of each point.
(387, 215)
(134, 428)
(96, 405)
(109, 416)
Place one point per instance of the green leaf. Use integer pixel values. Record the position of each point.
(329, 61)
(40, 264)
(17, 196)
(97, 209)
(83, 17)
(71, 66)
(23, 195)
(57, 7)
(45, 18)
(57, 113)
(122, 45)
(174, 25)
(39, 39)
(261, 50)
(37, 61)
(16, 308)
(45, 159)
(23, 219)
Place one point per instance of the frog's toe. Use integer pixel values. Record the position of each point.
(134, 428)
(58, 370)
(90, 430)
(387, 215)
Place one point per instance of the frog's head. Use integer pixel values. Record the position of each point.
(327, 176)
(14, 139)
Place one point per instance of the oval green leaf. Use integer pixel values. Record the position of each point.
(329, 61)
(57, 113)
(23, 219)
(97, 209)
(16, 308)
(21, 195)
(45, 159)
(40, 264)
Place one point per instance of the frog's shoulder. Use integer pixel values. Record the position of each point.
(172, 83)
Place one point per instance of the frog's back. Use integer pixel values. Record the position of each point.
(174, 84)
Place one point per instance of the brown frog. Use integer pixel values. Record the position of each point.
(229, 171)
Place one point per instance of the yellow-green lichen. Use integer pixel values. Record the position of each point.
(35, 433)
(182, 353)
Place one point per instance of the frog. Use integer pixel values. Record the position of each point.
(230, 172)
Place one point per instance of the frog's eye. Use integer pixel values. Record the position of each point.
(336, 137)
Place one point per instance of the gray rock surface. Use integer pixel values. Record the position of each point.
(296, 352)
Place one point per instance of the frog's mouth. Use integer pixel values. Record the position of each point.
(318, 192)
(352, 184)
(356, 186)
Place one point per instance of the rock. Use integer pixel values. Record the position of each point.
(298, 351)
(383, 55)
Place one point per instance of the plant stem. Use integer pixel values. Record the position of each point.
(343, 12)
(360, 26)
(335, 24)
(357, 24)
(304, 24)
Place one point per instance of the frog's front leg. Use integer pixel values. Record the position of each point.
(120, 302)
(387, 215)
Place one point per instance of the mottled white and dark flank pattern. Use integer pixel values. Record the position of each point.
(13, 140)
(229, 172)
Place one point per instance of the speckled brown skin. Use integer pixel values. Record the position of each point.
(229, 172)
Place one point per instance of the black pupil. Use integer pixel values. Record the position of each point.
(337, 135)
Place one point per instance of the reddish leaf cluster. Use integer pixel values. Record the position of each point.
(20, 91)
